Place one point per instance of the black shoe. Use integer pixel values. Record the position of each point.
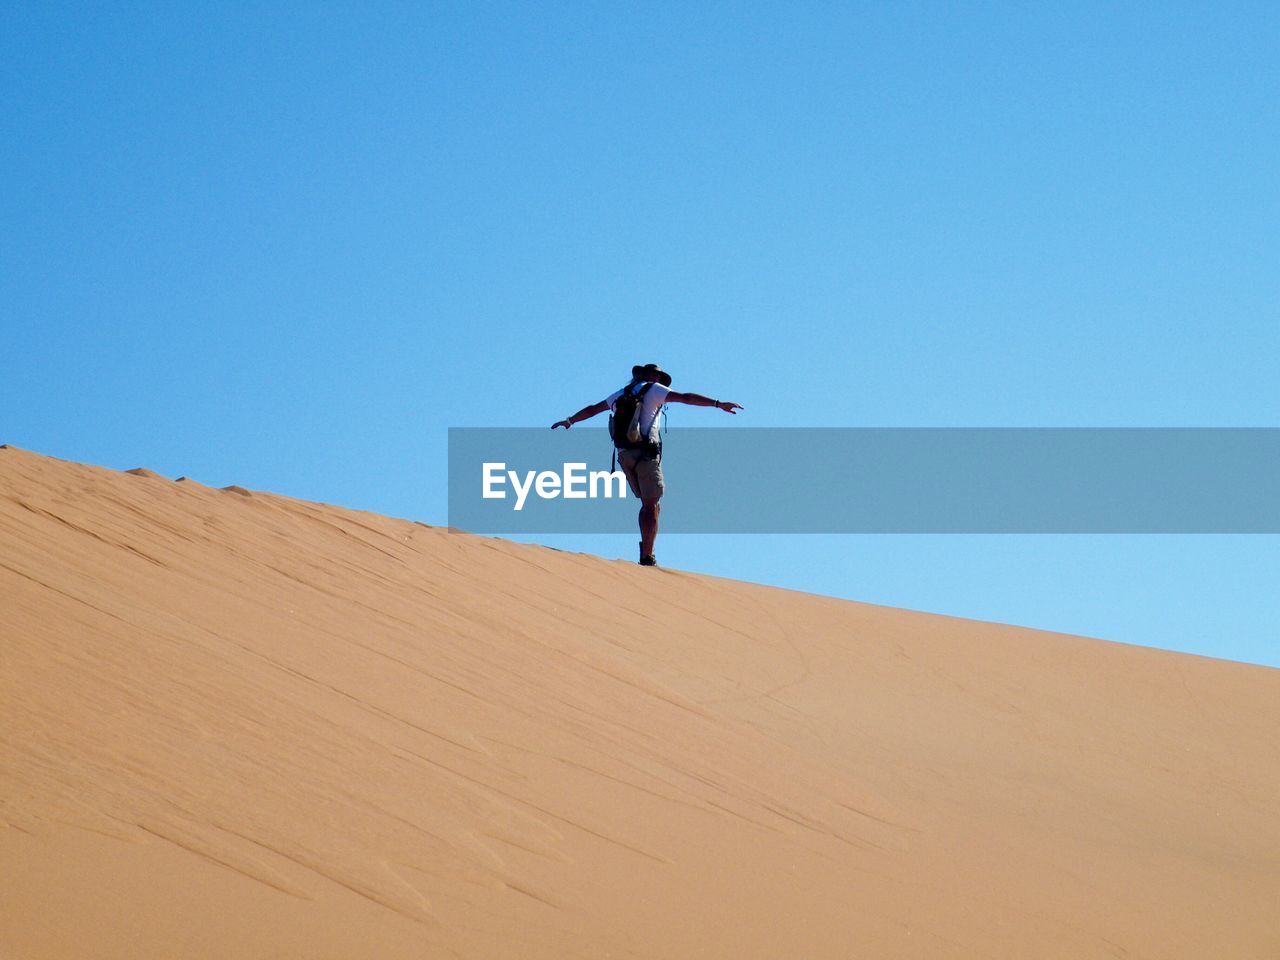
(648, 560)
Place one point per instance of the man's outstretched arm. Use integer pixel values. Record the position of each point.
(698, 400)
(586, 413)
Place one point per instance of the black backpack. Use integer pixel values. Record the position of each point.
(624, 422)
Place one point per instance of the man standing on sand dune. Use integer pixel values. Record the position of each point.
(633, 425)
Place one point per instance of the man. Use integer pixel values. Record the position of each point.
(637, 440)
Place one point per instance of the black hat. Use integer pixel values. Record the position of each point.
(651, 371)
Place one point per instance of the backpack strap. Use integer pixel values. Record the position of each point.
(653, 449)
(639, 394)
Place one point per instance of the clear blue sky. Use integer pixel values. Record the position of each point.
(288, 245)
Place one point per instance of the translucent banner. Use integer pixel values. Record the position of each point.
(876, 480)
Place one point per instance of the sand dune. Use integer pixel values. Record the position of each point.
(238, 725)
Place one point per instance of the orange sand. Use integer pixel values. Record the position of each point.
(235, 725)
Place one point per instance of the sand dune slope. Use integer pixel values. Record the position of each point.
(238, 725)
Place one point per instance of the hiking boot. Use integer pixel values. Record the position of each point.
(648, 560)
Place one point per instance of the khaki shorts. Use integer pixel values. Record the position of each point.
(644, 473)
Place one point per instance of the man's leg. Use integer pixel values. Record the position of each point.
(649, 510)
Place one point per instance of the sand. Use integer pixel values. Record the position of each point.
(234, 724)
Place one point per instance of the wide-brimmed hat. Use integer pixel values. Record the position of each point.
(651, 371)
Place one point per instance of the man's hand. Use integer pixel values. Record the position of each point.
(728, 406)
(562, 423)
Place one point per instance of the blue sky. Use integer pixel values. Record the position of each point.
(288, 245)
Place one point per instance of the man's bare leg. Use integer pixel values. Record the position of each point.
(649, 510)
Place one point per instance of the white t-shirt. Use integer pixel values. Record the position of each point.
(650, 404)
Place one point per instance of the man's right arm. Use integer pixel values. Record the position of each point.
(586, 413)
(698, 400)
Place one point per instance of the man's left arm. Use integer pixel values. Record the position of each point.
(698, 400)
(586, 413)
